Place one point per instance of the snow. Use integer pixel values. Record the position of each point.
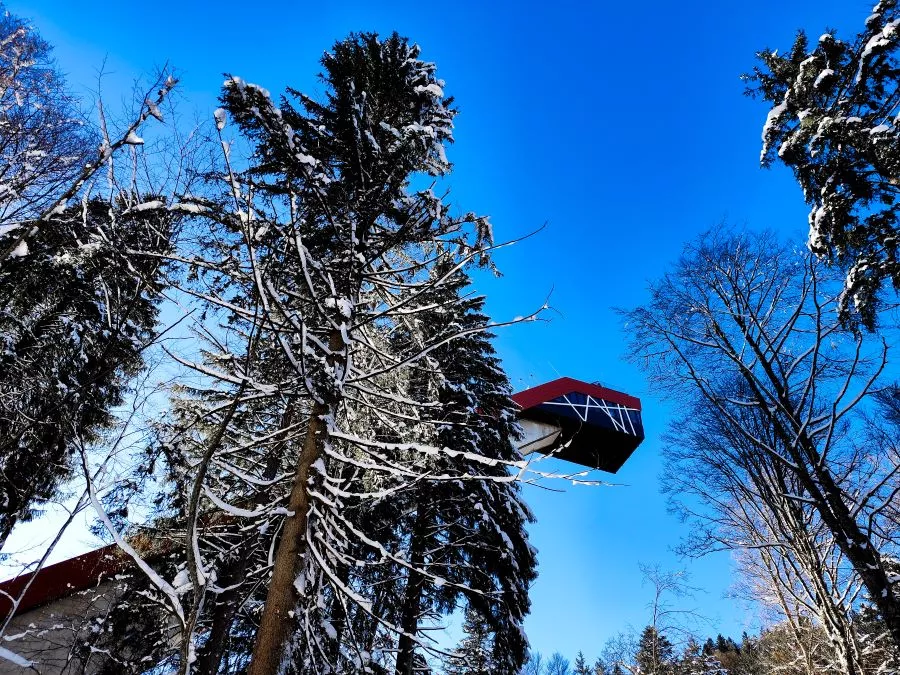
(147, 206)
(182, 582)
(343, 305)
(883, 38)
(771, 120)
(229, 508)
(432, 89)
(219, 115)
(189, 207)
(816, 241)
(880, 129)
(20, 251)
(153, 109)
(828, 72)
(133, 139)
(12, 657)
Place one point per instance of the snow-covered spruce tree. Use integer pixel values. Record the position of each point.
(474, 654)
(694, 662)
(468, 533)
(75, 314)
(742, 307)
(319, 256)
(834, 122)
(655, 653)
(384, 120)
(62, 306)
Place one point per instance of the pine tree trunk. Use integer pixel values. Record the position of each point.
(412, 597)
(268, 652)
(271, 638)
(209, 658)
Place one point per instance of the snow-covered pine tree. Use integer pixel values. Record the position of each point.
(319, 253)
(63, 307)
(694, 662)
(353, 156)
(75, 315)
(655, 653)
(473, 531)
(833, 121)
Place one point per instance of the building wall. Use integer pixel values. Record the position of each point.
(46, 635)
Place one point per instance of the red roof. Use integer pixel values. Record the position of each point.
(566, 385)
(63, 579)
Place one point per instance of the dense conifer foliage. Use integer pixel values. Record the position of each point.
(75, 314)
(75, 309)
(833, 122)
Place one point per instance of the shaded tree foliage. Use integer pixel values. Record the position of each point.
(75, 314)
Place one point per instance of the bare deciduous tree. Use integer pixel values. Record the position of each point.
(744, 332)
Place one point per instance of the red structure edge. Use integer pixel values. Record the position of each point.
(535, 396)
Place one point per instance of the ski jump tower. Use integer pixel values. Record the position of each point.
(580, 422)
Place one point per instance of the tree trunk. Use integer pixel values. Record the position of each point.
(412, 597)
(271, 638)
(209, 658)
(268, 652)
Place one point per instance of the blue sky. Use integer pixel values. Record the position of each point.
(621, 125)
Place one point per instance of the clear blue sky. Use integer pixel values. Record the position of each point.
(621, 125)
